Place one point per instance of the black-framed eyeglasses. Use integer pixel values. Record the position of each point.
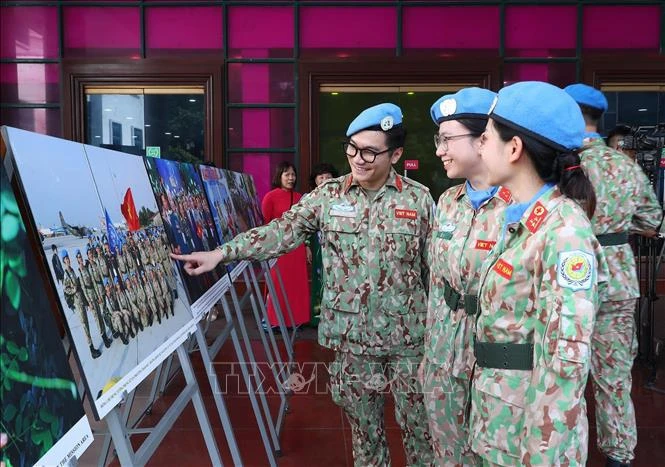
(442, 141)
(368, 155)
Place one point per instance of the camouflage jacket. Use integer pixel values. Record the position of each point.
(462, 237)
(625, 201)
(374, 254)
(539, 286)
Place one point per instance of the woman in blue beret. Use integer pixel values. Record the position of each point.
(466, 227)
(539, 288)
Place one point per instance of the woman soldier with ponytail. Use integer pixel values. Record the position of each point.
(539, 287)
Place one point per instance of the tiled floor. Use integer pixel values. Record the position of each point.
(315, 432)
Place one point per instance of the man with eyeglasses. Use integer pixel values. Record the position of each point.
(375, 234)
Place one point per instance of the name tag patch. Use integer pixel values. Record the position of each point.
(503, 269)
(486, 245)
(575, 270)
(342, 210)
(406, 214)
(445, 231)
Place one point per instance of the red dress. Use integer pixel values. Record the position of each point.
(292, 266)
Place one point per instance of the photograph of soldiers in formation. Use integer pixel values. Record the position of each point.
(106, 249)
(188, 222)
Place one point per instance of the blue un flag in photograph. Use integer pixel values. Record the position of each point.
(112, 234)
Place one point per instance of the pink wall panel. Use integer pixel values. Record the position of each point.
(541, 30)
(348, 27)
(197, 28)
(101, 31)
(254, 30)
(29, 32)
(29, 82)
(475, 27)
(621, 27)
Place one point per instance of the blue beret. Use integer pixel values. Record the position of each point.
(64, 254)
(587, 95)
(77, 252)
(382, 116)
(116, 280)
(466, 103)
(124, 277)
(105, 280)
(543, 111)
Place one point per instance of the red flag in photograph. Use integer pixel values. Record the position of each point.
(128, 210)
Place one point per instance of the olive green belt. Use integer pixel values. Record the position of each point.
(613, 239)
(505, 356)
(452, 298)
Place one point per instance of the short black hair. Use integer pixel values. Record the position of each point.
(320, 169)
(476, 126)
(53, 247)
(619, 130)
(591, 114)
(279, 170)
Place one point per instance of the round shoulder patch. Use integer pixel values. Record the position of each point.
(575, 270)
(387, 123)
(448, 107)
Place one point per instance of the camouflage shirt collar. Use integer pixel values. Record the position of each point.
(394, 180)
(592, 142)
(535, 214)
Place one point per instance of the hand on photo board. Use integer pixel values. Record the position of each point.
(200, 262)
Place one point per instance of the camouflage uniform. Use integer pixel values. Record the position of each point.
(537, 303)
(625, 200)
(90, 292)
(119, 323)
(461, 240)
(374, 303)
(75, 298)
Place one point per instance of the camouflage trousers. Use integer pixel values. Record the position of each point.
(447, 400)
(359, 384)
(613, 349)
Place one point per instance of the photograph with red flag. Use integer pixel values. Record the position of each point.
(128, 209)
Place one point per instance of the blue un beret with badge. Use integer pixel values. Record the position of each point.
(543, 111)
(379, 117)
(466, 103)
(587, 95)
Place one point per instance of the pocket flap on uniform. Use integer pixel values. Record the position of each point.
(573, 351)
(342, 224)
(507, 385)
(402, 227)
(398, 304)
(341, 301)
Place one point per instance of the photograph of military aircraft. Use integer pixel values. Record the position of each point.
(78, 231)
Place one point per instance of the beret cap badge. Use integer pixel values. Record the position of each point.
(448, 107)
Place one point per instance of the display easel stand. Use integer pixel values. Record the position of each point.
(121, 434)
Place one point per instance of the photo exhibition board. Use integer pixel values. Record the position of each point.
(247, 208)
(187, 218)
(42, 411)
(221, 204)
(123, 302)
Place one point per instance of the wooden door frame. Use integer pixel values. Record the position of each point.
(484, 72)
(623, 67)
(77, 74)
